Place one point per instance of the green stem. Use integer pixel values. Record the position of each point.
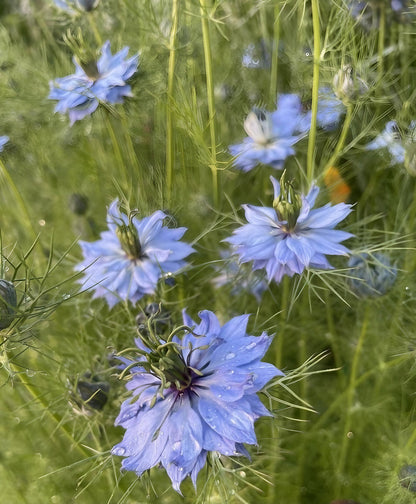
(170, 148)
(350, 397)
(19, 200)
(283, 318)
(381, 35)
(342, 137)
(117, 151)
(94, 28)
(10, 367)
(315, 91)
(275, 54)
(210, 96)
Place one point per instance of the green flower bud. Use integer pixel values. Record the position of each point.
(289, 203)
(8, 303)
(348, 85)
(87, 5)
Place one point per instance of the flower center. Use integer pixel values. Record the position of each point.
(129, 241)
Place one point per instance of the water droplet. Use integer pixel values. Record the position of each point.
(229, 356)
(42, 222)
(66, 296)
(30, 372)
(17, 419)
(228, 387)
(251, 345)
(118, 450)
(180, 469)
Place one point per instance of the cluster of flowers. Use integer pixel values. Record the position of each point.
(195, 389)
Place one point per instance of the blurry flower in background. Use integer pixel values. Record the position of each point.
(270, 135)
(8, 303)
(371, 275)
(407, 477)
(130, 258)
(240, 279)
(291, 236)
(368, 13)
(69, 5)
(3, 140)
(256, 55)
(330, 109)
(339, 190)
(93, 83)
(391, 139)
(196, 395)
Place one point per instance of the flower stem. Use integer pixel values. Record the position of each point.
(22, 205)
(350, 396)
(170, 148)
(94, 28)
(275, 54)
(10, 367)
(210, 96)
(315, 91)
(381, 35)
(342, 137)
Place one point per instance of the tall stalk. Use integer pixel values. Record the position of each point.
(170, 148)
(210, 96)
(315, 91)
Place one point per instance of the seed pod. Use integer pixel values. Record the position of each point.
(8, 303)
(87, 5)
(407, 477)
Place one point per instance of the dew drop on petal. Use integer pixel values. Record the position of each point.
(251, 345)
(229, 356)
(119, 451)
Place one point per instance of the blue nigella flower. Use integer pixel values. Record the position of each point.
(130, 258)
(233, 274)
(371, 275)
(367, 13)
(3, 140)
(391, 139)
(70, 5)
(291, 236)
(80, 94)
(198, 396)
(271, 135)
(330, 110)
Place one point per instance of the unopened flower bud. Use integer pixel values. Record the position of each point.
(8, 303)
(407, 476)
(87, 5)
(348, 85)
(371, 275)
(288, 204)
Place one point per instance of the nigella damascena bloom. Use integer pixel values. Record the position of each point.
(238, 278)
(371, 275)
(3, 140)
(391, 139)
(292, 235)
(93, 83)
(130, 258)
(198, 395)
(70, 5)
(271, 135)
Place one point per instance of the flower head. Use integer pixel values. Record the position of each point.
(70, 5)
(241, 280)
(130, 258)
(93, 83)
(391, 139)
(292, 235)
(371, 275)
(271, 135)
(3, 140)
(193, 394)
